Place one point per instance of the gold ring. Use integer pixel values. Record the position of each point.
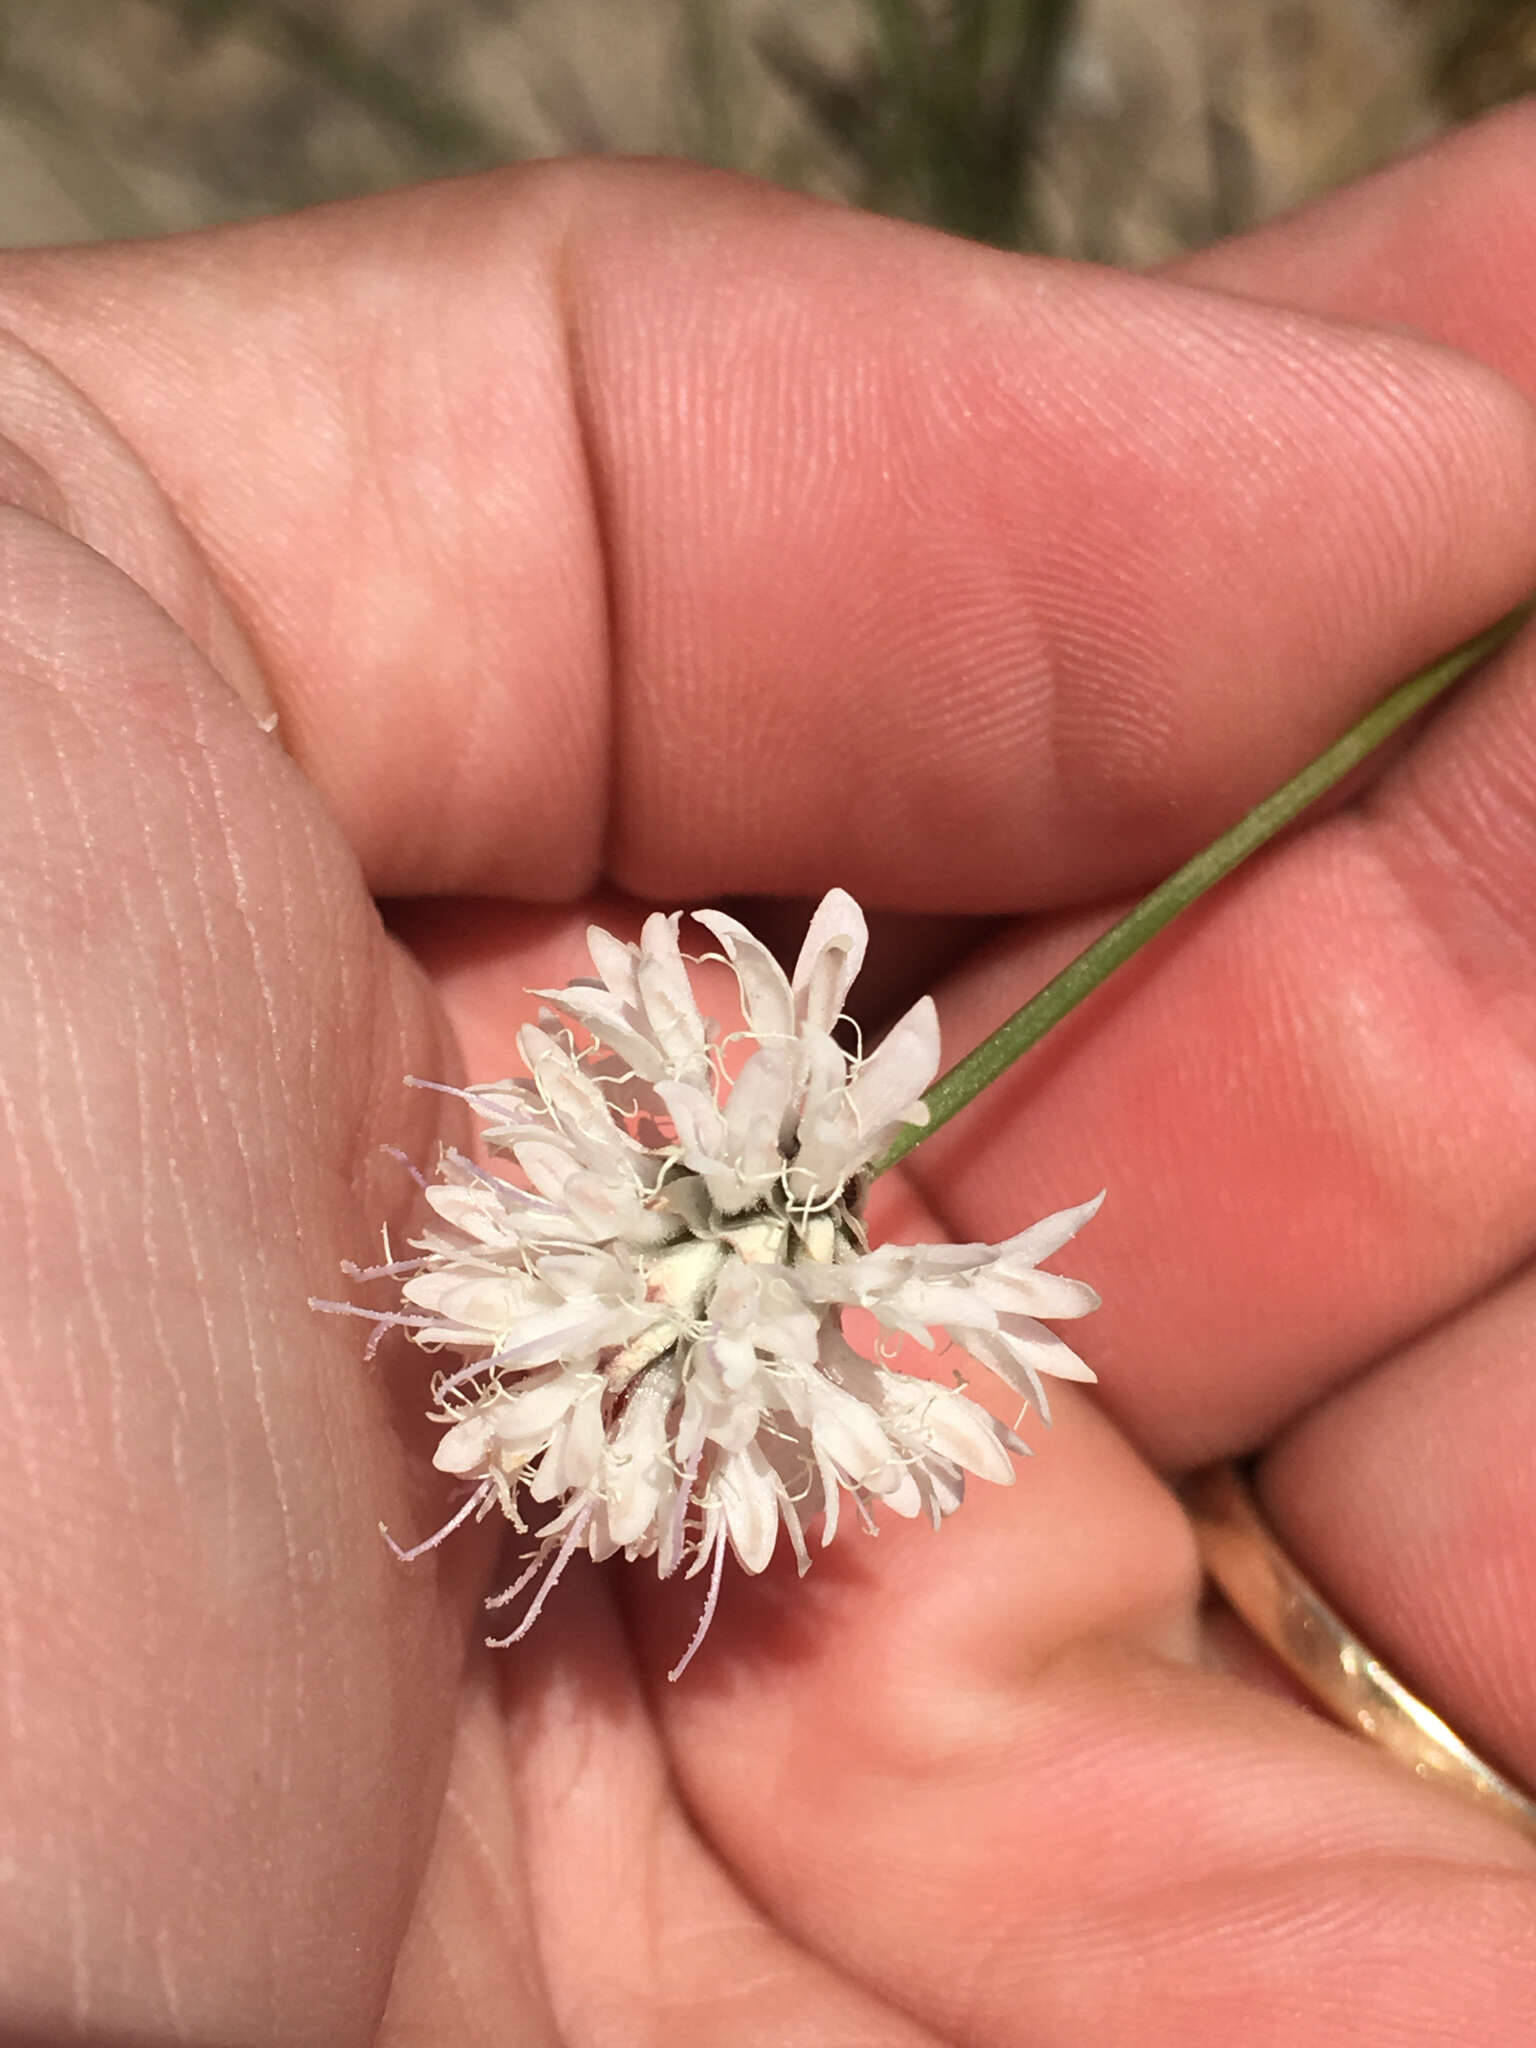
(1286, 1611)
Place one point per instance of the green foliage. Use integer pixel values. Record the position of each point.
(155, 113)
(945, 123)
(1487, 53)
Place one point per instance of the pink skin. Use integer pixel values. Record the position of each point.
(605, 532)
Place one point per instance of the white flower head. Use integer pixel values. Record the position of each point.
(649, 1301)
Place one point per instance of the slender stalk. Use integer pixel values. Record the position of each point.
(1026, 1027)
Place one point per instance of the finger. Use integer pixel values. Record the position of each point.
(1439, 244)
(1313, 1095)
(976, 1769)
(62, 462)
(569, 1898)
(1407, 1496)
(633, 519)
(1407, 1491)
(1127, 1853)
(958, 1712)
(211, 1663)
(1310, 1101)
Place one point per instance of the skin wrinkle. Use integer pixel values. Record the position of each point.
(79, 1949)
(1416, 486)
(667, 1807)
(1452, 1638)
(308, 859)
(232, 878)
(64, 1041)
(165, 1274)
(1370, 373)
(342, 1451)
(674, 1831)
(568, 294)
(19, 1150)
(98, 1179)
(237, 1364)
(1108, 418)
(672, 1810)
(165, 1349)
(488, 671)
(466, 2014)
(461, 1812)
(28, 487)
(1469, 827)
(515, 1911)
(1455, 829)
(1063, 1976)
(20, 1438)
(1351, 1927)
(91, 485)
(458, 1810)
(475, 708)
(165, 1976)
(1438, 933)
(115, 1740)
(195, 926)
(285, 1703)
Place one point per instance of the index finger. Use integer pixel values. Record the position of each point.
(635, 521)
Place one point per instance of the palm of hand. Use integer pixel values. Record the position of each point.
(974, 1788)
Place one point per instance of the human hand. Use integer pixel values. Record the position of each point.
(611, 533)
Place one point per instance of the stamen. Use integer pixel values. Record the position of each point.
(394, 1152)
(577, 1530)
(384, 1317)
(492, 1364)
(438, 1087)
(672, 1554)
(510, 1593)
(710, 1601)
(355, 1272)
(478, 1499)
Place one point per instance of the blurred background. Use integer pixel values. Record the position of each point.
(1123, 130)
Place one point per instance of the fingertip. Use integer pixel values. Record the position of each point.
(631, 515)
(1437, 244)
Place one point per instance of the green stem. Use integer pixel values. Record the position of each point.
(1026, 1027)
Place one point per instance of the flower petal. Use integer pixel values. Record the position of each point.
(1032, 1293)
(766, 996)
(615, 961)
(747, 1490)
(610, 1020)
(943, 1420)
(830, 957)
(887, 1088)
(463, 1450)
(666, 995)
(754, 1117)
(638, 1479)
(1048, 1235)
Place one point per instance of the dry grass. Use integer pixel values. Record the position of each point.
(1119, 129)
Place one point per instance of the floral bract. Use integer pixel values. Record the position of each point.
(650, 1302)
